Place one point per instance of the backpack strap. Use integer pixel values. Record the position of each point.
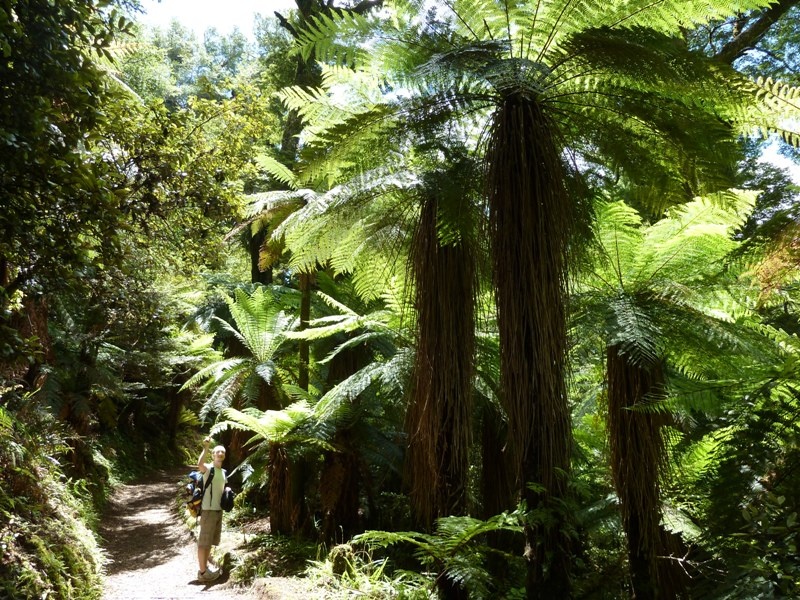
(207, 484)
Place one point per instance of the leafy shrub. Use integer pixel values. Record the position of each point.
(47, 548)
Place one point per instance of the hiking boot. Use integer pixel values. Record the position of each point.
(209, 575)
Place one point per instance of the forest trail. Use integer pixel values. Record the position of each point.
(150, 553)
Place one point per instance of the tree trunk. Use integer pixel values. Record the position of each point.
(281, 510)
(638, 461)
(254, 245)
(438, 420)
(340, 481)
(340, 485)
(531, 219)
(306, 281)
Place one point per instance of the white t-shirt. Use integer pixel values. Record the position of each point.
(213, 494)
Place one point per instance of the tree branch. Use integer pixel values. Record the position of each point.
(750, 36)
(365, 6)
(286, 25)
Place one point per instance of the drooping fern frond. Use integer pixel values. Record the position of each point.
(294, 425)
(277, 170)
(337, 38)
(351, 226)
(778, 109)
(694, 237)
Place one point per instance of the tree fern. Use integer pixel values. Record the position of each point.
(674, 320)
(565, 83)
(261, 329)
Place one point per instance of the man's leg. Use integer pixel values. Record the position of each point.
(203, 552)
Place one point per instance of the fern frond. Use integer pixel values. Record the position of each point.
(276, 170)
(225, 392)
(217, 371)
(694, 237)
(319, 38)
(782, 101)
(278, 202)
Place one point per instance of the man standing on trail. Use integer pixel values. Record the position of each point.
(211, 515)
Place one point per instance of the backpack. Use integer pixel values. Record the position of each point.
(196, 489)
(226, 502)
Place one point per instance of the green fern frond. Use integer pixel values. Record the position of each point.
(335, 304)
(295, 425)
(670, 17)
(225, 392)
(271, 425)
(357, 341)
(348, 390)
(216, 371)
(693, 237)
(633, 330)
(277, 170)
(455, 550)
(320, 35)
(277, 203)
(266, 371)
(784, 103)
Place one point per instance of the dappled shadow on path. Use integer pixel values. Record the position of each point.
(138, 529)
(151, 555)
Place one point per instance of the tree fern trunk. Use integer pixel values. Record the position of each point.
(638, 459)
(281, 511)
(496, 491)
(339, 488)
(438, 417)
(305, 317)
(340, 481)
(530, 218)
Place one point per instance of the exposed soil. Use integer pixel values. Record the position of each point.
(152, 555)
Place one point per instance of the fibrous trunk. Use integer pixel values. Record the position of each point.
(638, 458)
(531, 221)
(340, 483)
(283, 515)
(438, 418)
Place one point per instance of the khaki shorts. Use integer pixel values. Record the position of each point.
(210, 528)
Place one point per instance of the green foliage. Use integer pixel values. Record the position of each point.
(56, 203)
(122, 166)
(347, 570)
(457, 550)
(361, 402)
(275, 556)
(646, 279)
(260, 327)
(47, 547)
(738, 481)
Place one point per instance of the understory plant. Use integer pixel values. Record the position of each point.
(46, 544)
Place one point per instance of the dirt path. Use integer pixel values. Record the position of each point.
(151, 554)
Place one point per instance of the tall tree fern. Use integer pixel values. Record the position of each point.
(443, 262)
(664, 306)
(564, 84)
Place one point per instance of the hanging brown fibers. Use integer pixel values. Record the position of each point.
(531, 221)
(439, 409)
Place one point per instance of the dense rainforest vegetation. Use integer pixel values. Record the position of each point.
(486, 298)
